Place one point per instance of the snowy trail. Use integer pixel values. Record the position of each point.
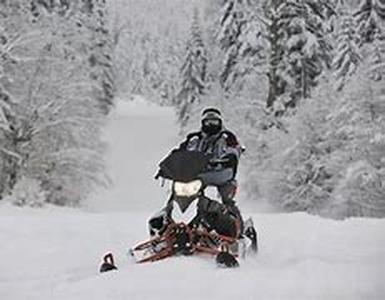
(139, 135)
(55, 253)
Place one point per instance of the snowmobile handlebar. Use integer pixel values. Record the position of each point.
(158, 174)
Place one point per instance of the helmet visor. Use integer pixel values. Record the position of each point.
(211, 122)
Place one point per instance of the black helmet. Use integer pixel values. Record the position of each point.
(211, 121)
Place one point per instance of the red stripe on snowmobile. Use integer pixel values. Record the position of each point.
(207, 242)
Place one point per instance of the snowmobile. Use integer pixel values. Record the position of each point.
(192, 226)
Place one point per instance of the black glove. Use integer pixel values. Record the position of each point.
(230, 161)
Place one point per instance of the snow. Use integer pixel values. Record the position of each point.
(140, 134)
(139, 107)
(54, 253)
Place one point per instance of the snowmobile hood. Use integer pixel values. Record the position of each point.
(184, 202)
(185, 212)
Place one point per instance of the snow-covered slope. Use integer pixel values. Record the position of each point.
(139, 135)
(54, 253)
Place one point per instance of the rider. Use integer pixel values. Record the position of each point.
(214, 139)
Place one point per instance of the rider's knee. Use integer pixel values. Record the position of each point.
(228, 225)
(228, 192)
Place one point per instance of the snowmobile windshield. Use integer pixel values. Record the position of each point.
(184, 166)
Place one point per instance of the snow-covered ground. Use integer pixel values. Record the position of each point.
(55, 253)
(139, 135)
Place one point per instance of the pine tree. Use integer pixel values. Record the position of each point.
(370, 19)
(307, 51)
(50, 124)
(376, 55)
(101, 51)
(330, 162)
(15, 33)
(275, 37)
(193, 72)
(361, 37)
(296, 175)
(240, 38)
(90, 17)
(150, 48)
(347, 54)
(299, 48)
(358, 123)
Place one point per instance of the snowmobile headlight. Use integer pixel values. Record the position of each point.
(187, 189)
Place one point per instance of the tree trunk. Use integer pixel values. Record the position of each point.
(273, 63)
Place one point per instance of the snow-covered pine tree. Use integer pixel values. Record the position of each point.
(89, 16)
(307, 51)
(371, 27)
(299, 48)
(150, 48)
(193, 72)
(275, 38)
(15, 32)
(53, 125)
(100, 52)
(329, 161)
(347, 54)
(359, 124)
(295, 174)
(240, 38)
(232, 21)
(377, 55)
(370, 19)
